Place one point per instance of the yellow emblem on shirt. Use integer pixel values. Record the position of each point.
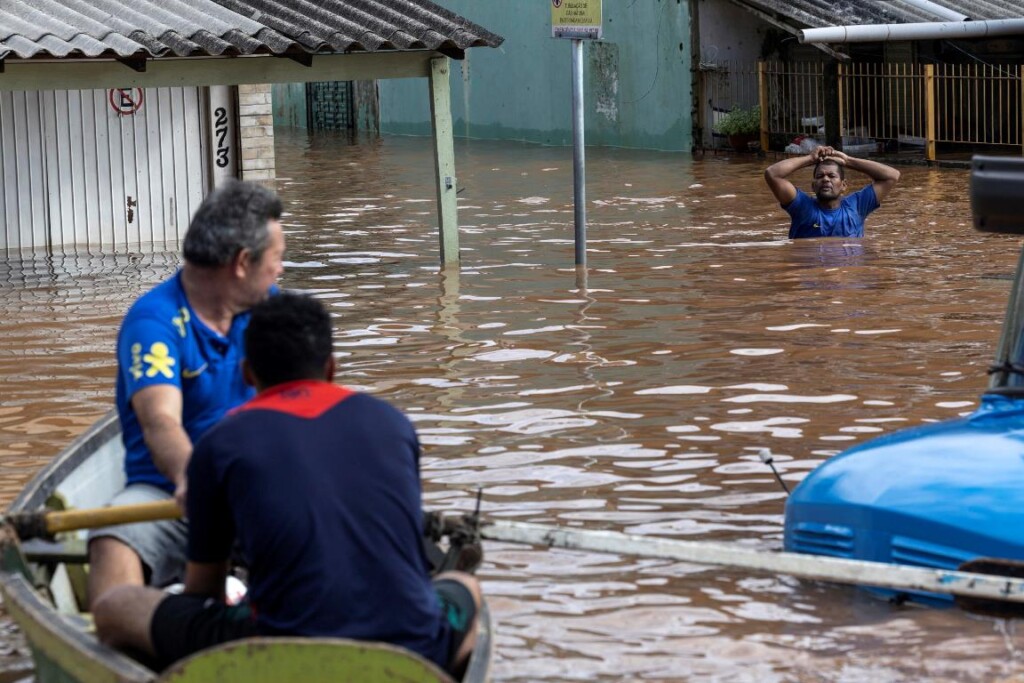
(192, 374)
(179, 321)
(160, 361)
(136, 366)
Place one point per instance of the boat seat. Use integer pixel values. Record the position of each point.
(311, 660)
(71, 551)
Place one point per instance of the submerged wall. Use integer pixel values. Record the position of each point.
(637, 79)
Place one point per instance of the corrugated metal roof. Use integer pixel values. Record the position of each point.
(819, 13)
(158, 28)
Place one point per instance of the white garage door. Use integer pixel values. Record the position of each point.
(116, 168)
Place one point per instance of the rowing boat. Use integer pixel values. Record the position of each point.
(43, 585)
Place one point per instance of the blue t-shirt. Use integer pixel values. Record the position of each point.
(321, 488)
(162, 341)
(810, 220)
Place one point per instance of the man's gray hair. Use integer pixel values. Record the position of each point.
(233, 217)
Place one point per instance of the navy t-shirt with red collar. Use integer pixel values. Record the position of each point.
(321, 487)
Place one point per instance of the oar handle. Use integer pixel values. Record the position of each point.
(46, 523)
(70, 520)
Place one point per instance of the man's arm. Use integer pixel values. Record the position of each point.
(776, 176)
(158, 408)
(206, 578)
(883, 177)
(211, 530)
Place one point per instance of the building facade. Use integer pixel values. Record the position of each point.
(638, 84)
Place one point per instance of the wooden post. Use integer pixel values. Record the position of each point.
(929, 111)
(762, 97)
(444, 160)
(830, 86)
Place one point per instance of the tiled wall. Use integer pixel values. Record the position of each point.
(256, 129)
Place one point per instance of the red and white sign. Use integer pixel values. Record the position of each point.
(125, 101)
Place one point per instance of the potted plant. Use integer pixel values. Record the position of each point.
(741, 126)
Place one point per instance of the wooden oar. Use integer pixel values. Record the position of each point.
(48, 522)
(1000, 567)
(995, 584)
(985, 586)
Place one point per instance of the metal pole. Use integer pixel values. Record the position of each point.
(578, 174)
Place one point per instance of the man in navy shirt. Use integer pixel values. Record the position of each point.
(179, 351)
(828, 213)
(319, 486)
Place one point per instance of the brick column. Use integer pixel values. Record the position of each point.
(256, 132)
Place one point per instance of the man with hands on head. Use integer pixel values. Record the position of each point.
(828, 213)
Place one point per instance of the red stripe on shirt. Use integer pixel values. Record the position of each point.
(303, 398)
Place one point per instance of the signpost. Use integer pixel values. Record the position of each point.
(578, 20)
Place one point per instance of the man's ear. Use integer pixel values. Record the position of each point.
(241, 262)
(329, 368)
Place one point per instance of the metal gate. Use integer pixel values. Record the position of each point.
(112, 168)
(329, 105)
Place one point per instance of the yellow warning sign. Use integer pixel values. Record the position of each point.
(576, 19)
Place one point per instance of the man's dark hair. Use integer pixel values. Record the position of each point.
(233, 217)
(831, 162)
(288, 338)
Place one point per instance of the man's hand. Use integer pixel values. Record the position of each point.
(839, 157)
(180, 494)
(824, 153)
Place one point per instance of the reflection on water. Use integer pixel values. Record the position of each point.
(635, 398)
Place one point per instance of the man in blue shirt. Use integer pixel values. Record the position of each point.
(179, 351)
(828, 213)
(319, 486)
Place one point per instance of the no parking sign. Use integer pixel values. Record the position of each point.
(125, 101)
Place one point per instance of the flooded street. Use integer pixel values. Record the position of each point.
(636, 401)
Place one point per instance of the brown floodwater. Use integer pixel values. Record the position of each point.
(634, 401)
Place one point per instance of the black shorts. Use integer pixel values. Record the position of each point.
(184, 624)
(458, 609)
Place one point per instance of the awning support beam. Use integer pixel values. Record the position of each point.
(444, 160)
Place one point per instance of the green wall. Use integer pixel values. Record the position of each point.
(289, 104)
(637, 79)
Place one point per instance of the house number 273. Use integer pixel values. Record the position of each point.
(220, 131)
